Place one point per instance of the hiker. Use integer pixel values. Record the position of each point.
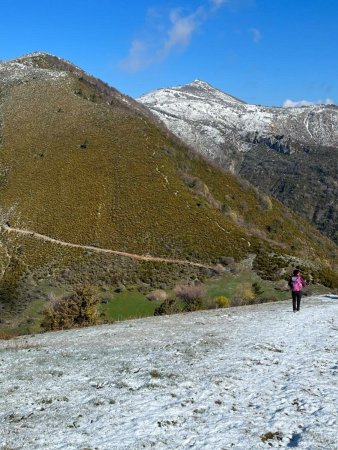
(296, 284)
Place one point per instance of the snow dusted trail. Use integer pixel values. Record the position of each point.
(43, 237)
(254, 377)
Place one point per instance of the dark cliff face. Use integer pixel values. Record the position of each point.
(290, 153)
(305, 181)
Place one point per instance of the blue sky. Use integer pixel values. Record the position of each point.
(262, 51)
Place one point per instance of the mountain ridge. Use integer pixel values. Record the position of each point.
(249, 140)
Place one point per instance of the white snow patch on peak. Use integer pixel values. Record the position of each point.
(24, 68)
(199, 83)
(197, 89)
(34, 55)
(29, 60)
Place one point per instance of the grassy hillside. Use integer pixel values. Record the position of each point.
(81, 163)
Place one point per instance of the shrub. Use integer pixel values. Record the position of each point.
(219, 269)
(275, 226)
(157, 295)
(155, 373)
(169, 306)
(191, 295)
(265, 202)
(328, 277)
(282, 285)
(227, 260)
(193, 305)
(237, 301)
(245, 293)
(222, 302)
(257, 289)
(77, 309)
(201, 189)
(270, 299)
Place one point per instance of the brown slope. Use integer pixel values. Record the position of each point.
(79, 162)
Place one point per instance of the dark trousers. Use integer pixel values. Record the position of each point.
(296, 298)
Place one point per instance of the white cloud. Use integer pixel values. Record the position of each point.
(256, 35)
(176, 35)
(137, 58)
(297, 104)
(217, 3)
(234, 5)
(182, 28)
(174, 32)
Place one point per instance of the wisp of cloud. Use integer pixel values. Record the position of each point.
(176, 36)
(297, 104)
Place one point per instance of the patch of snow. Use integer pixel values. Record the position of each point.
(12, 72)
(196, 112)
(246, 378)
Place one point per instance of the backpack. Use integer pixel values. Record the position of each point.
(296, 284)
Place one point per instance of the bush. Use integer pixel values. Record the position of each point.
(169, 306)
(193, 305)
(270, 299)
(222, 302)
(227, 260)
(245, 292)
(257, 289)
(74, 310)
(265, 202)
(328, 277)
(237, 301)
(191, 296)
(219, 269)
(282, 285)
(157, 295)
(240, 301)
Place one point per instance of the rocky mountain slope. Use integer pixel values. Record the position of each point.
(291, 153)
(83, 167)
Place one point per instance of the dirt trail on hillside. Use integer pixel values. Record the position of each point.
(102, 250)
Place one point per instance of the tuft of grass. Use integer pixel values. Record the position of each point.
(155, 373)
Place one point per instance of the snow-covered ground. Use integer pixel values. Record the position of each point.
(253, 377)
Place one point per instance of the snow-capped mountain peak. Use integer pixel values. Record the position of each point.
(241, 136)
(209, 107)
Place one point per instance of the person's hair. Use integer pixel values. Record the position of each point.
(296, 272)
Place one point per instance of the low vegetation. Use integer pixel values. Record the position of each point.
(191, 295)
(88, 306)
(77, 309)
